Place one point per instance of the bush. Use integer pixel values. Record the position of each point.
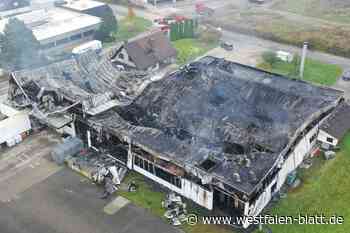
(270, 58)
(209, 35)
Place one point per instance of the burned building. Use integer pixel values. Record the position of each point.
(221, 134)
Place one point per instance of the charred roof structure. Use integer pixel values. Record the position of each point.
(220, 133)
(239, 117)
(338, 123)
(90, 81)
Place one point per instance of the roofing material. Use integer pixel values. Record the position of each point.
(338, 123)
(237, 116)
(148, 49)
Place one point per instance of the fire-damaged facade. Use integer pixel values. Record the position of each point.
(219, 133)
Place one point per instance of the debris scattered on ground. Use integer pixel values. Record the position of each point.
(292, 176)
(175, 209)
(296, 183)
(329, 155)
(306, 164)
(132, 187)
(102, 169)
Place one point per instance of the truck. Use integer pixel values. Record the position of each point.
(94, 45)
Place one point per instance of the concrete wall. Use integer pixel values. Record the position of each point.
(295, 158)
(188, 189)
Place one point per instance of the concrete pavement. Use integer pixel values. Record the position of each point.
(68, 203)
(38, 196)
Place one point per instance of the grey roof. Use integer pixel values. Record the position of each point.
(212, 109)
(338, 123)
(149, 49)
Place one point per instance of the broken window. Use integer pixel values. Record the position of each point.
(76, 37)
(157, 171)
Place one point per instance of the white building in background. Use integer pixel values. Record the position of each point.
(85, 6)
(58, 29)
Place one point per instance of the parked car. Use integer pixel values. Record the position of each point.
(226, 45)
(346, 75)
(94, 45)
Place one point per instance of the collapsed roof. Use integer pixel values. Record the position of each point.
(230, 120)
(88, 79)
(220, 119)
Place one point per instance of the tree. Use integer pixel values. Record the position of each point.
(109, 25)
(19, 47)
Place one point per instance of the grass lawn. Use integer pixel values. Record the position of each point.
(129, 28)
(149, 199)
(325, 190)
(316, 9)
(289, 30)
(189, 49)
(315, 71)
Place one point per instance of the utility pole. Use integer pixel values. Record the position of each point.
(303, 58)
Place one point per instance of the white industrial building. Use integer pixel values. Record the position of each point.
(14, 125)
(58, 29)
(84, 6)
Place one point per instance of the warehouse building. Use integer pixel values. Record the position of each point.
(219, 133)
(57, 29)
(86, 6)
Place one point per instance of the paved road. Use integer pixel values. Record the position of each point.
(243, 40)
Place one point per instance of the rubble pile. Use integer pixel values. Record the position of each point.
(175, 209)
(102, 169)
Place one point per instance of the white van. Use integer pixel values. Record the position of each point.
(94, 45)
(285, 56)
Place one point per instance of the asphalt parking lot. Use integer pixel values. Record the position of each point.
(37, 196)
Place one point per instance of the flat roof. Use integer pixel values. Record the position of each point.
(82, 5)
(49, 23)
